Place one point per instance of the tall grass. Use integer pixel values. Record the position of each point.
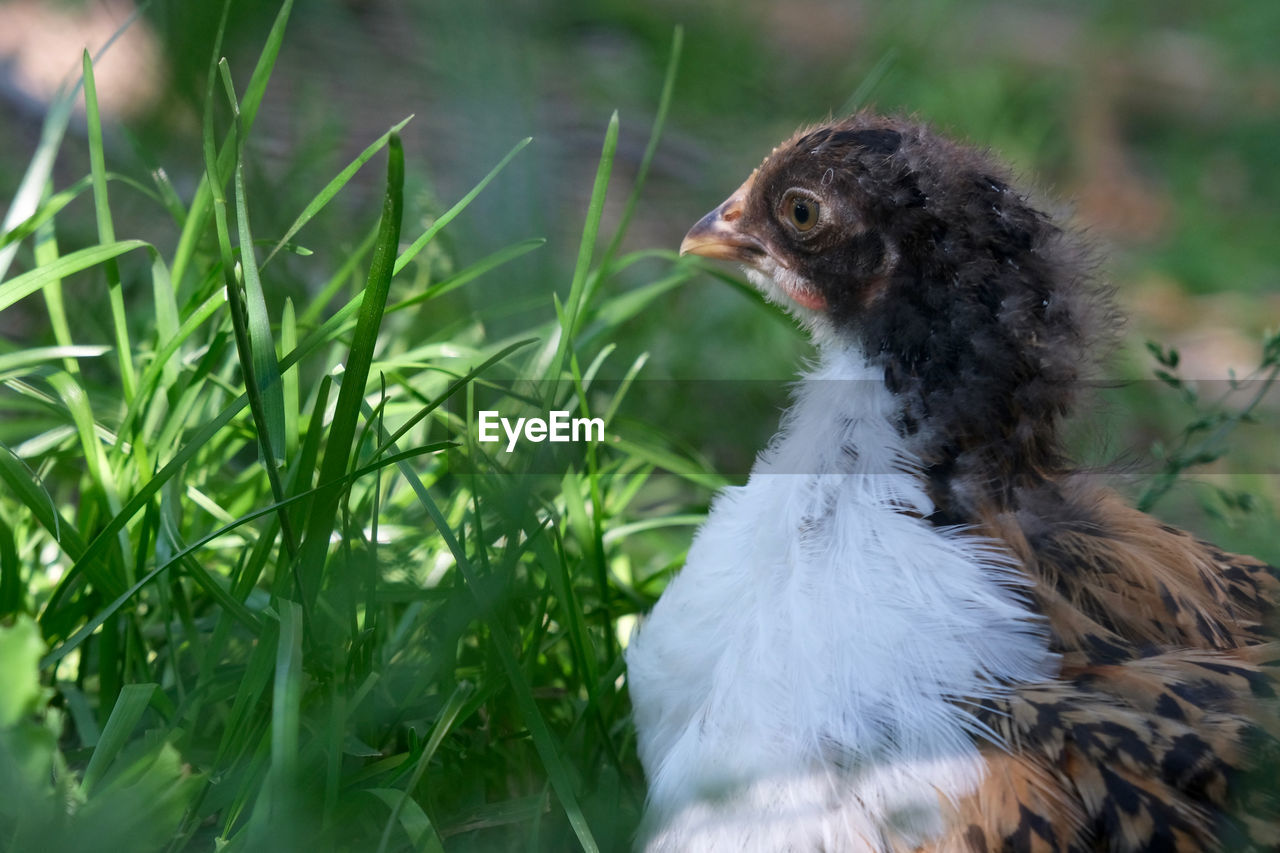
(261, 588)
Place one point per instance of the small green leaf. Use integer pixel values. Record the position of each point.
(20, 650)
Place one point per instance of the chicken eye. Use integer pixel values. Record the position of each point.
(801, 212)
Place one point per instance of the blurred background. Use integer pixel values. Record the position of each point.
(1156, 123)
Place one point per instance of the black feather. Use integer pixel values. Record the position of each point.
(984, 312)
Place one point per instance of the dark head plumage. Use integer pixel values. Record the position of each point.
(983, 311)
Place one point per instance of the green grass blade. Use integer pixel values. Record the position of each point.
(449, 215)
(560, 574)
(245, 324)
(16, 363)
(165, 358)
(76, 400)
(699, 475)
(194, 444)
(27, 200)
(255, 676)
(87, 561)
(310, 451)
(744, 288)
(266, 370)
(286, 710)
(202, 204)
(472, 272)
(35, 499)
(363, 345)
(46, 252)
(354, 259)
(289, 380)
(422, 834)
(105, 613)
(586, 249)
(167, 315)
(590, 231)
(624, 306)
(107, 232)
(88, 732)
(334, 186)
(651, 148)
(336, 322)
(415, 821)
(169, 196)
(13, 589)
(622, 531)
(29, 282)
(544, 742)
(257, 88)
(629, 377)
(201, 576)
(450, 391)
(128, 710)
(49, 208)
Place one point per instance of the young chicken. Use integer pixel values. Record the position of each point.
(916, 627)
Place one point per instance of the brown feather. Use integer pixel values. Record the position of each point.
(1164, 699)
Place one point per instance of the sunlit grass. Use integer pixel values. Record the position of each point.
(263, 589)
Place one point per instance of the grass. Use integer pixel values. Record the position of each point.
(261, 587)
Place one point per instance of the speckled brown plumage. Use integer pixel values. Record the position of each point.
(1159, 732)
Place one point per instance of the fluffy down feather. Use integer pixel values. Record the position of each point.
(797, 683)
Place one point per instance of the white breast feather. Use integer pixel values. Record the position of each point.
(792, 686)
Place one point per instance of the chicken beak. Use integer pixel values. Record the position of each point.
(718, 235)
